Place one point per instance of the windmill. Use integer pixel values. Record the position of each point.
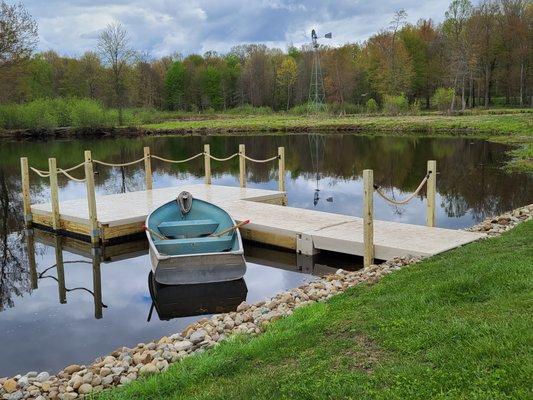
(317, 95)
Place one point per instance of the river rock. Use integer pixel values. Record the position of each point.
(72, 369)
(43, 376)
(10, 385)
(86, 388)
(198, 336)
(148, 369)
(18, 395)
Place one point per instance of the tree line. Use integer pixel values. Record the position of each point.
(481, 54)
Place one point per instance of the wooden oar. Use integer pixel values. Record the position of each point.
(230, 229)
(154, 233)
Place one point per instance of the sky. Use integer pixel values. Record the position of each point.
(164, 27)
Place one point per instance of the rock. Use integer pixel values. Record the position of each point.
(104, 371)
(124, 380)
(32, 374)
(18, 395)
(76, 382)
(85, 389)
(107, 380)
(109, 360)
(46, 386)
(72, 369)
(148, 369)
(198, 336)
(43, 376)
(243, 306)
(23, 382)
(10, 385)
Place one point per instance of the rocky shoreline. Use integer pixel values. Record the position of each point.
(127, 364)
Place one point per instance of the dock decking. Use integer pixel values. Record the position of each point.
(273, 223)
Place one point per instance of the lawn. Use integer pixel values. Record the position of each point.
(457, 325)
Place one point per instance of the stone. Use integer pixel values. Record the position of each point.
(109, 360)
(46, 386)
(104, 371)
(10, 385)
(198, 336)
(76, 382)
(72, 369)
(18, 395)
(124, 380)
(107, 380)
(85, 389)
(23, 381)
(148, 369)
(43, 376)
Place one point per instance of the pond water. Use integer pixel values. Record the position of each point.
(60, 304)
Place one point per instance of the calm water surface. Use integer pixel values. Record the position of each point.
(60, 304)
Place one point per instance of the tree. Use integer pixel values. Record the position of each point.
(287, 74)
(175, 86)
(113, 45)
(18, 34)
(455, 30)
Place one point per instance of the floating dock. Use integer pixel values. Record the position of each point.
(272, 222)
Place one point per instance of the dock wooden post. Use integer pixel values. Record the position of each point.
(25, 180)
(30, 250)
(60, 268)
(207, 164)
(148, 168)
(91, 198)
(368, 217)
(431, 192)
(242, 165)
(97, 284)
(281, 169)
(54, 193)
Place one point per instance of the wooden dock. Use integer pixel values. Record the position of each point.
(301, 230)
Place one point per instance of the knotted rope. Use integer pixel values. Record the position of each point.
(406, 200)
(42, 174)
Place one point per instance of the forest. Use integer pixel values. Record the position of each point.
(478, 56)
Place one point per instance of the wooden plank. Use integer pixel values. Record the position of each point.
(148, 168)
(25, 181)
(54, 192)
(368, 217)
(431, 192)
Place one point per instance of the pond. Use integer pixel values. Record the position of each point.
(60, 304)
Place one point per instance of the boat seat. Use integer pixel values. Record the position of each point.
(194, 245)
(192, 228)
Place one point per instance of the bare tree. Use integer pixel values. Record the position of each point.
(113, 45)
(18, 34)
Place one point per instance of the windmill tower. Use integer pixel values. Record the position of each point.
(317, 96)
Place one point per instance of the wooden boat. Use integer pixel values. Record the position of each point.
(176, 301)
(191, 241)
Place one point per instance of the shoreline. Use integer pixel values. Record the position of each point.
(125, 365)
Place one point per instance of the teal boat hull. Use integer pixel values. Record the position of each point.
(192, 251)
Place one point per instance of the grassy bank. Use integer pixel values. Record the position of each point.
(457, 325)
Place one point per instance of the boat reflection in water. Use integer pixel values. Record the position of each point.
(175, 301)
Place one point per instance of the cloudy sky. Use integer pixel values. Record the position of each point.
(162, 27)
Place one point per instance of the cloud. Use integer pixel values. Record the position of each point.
(163, 27)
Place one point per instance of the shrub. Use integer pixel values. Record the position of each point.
(345, 108)
(394, 105)
(442, 99)
(415, 107)
(248, 109)
(372, 106)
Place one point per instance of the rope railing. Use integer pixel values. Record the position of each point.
(407, 199)
(41, 173)
(64, 172)
(261, 161)
(177, 161)
(222, 159)
(119, 164)
(430, 180)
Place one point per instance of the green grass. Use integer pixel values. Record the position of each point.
(457, 326)
(500, 124)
